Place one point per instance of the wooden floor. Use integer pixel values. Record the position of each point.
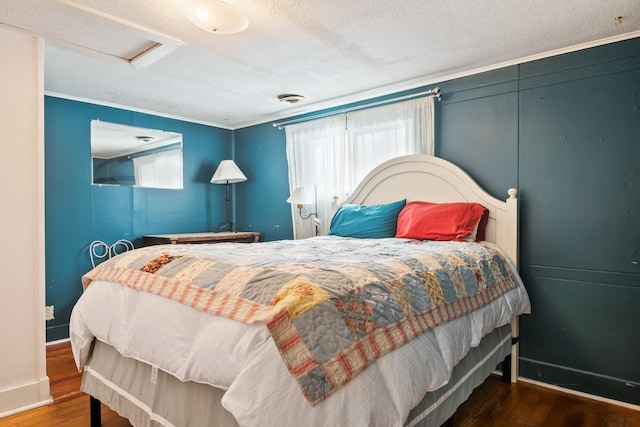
(492, 404)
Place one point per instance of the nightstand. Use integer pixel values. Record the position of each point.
(212, 237)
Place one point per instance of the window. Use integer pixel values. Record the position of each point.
(334, 154)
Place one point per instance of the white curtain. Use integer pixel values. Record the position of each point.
(316, 155)
(334, 154)
(159, 170)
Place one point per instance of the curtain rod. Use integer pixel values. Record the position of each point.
(435, 92)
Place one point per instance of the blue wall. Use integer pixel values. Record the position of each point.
(580, 172)
(76, 212)
(260, 152)
(564, 130)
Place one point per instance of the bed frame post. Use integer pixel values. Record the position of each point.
(449, 422)
(515, 349)
(513, 247)
(506, 369)
(94, 405)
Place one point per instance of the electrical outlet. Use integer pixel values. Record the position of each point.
(48, 313)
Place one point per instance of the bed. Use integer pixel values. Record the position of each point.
(205, 335)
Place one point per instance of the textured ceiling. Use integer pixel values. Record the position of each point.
(330, 51)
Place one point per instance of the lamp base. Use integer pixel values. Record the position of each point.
(226, 226)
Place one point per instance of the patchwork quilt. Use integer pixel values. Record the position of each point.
(333, 305)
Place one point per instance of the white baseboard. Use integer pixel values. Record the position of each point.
(58, 341)
(581, 394)
(25, 397)
(575, 392)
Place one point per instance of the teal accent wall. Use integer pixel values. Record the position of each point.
(260, 153)
(76, 212)
(580, 179)
(564, 130)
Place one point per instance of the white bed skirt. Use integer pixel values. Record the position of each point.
(150, 397)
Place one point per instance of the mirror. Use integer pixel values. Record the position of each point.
(128, 155)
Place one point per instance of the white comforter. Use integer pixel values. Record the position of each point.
(243, 359)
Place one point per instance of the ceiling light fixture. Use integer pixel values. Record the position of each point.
(215, 16)
(290, 98)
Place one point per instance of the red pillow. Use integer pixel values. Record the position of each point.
(442, 221)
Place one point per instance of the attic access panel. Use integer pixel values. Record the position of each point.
(109, 35)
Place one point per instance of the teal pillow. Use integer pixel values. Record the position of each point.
(366, 222)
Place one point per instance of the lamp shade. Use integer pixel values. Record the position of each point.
(227, 173)
(300, 197)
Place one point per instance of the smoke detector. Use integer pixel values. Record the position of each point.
(290, 98)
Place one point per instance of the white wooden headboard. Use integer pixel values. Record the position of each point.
(432, 179)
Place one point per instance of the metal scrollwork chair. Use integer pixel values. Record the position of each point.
(99, 250)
